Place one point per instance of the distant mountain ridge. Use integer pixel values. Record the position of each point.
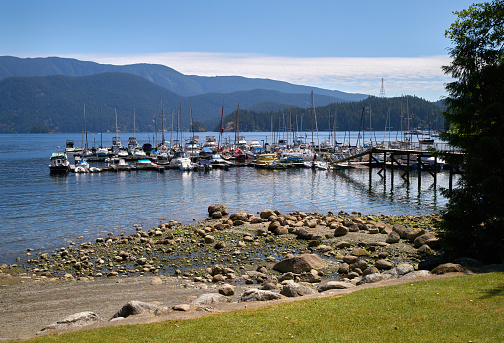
(184, 85)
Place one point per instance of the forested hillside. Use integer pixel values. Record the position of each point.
(379, 114)
(56, 103)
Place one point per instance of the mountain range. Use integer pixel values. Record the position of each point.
(56, 94)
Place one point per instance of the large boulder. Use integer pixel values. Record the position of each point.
(259, 295)
(75, 320)
(135, 307)
(422, 239)
(372, 278)
(241, 216)
(393, 237)
(265, 214)
(209, 299)
(296, 290)
(448, 268)
(340, 231)
(217, 208)
(334, 285)
(299, 264)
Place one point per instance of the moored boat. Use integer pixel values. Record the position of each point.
(59, 163)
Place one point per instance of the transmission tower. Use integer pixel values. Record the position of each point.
(382, 89)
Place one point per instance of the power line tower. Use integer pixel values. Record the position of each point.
(382, 89)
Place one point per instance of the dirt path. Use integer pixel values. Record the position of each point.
(27, 305)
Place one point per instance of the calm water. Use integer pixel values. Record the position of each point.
(42, 211)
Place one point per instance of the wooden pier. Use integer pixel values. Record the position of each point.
(405, 159)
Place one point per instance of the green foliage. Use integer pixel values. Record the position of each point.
(39, 129)
(198, 126)
(345, 116)
(57, 102)
(474, 222)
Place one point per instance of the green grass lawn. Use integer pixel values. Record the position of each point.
(456, 309)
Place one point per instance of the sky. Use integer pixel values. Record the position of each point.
(333, 44)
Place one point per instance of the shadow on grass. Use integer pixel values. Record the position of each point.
(493, 292)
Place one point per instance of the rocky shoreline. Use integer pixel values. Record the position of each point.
(230, 258)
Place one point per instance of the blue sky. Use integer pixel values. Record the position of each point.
(342, 45)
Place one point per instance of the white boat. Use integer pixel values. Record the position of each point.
(102, 152)
(217, 161)
(82, 166)
(59, 163)
(181, 161)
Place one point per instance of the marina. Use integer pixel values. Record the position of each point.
(44, 210)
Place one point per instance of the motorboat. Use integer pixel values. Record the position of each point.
(102, 152)
(268, 161)
(82, 166)
(217, 161)
(59, 163)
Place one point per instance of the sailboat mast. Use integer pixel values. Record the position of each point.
(171, 130)
(134, 122)
(220, 130)
(162, 123)
(237, 131)
(85, 125)
(101, 128)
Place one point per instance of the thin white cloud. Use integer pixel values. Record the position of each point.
(421, 76)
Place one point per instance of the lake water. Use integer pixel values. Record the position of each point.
(43, 211)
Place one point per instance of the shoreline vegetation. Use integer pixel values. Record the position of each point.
(226, 260)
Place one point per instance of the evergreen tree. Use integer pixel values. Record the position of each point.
(473, 224)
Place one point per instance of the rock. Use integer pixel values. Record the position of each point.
(360, 252)
(281, 230)
(448, 268)
(344, 268)
(299, 263)
(404, 268)
(425, 249)
(311, 223)
(340, 231)
(242, 216)
(334, 285)
(226, 290)
(421, 240)
(393, 237)
(311, 277)
(209, 239)
(296, 290)
(417, 273)
(350, 259)
(218, 208)
(255, 220)
(384, 265)
(216, 215)
(433, 243)
(259, 295)
(342, 245)
(156, 281)
(218, 278)
(141, 261)
(75, 320)
(414, 233)
(324, 248)
(209, 299)
(265, 214)
(370, 270)
(220, 245)
(400, 229)
(372, 278)
(135, 307)
(182, 307)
